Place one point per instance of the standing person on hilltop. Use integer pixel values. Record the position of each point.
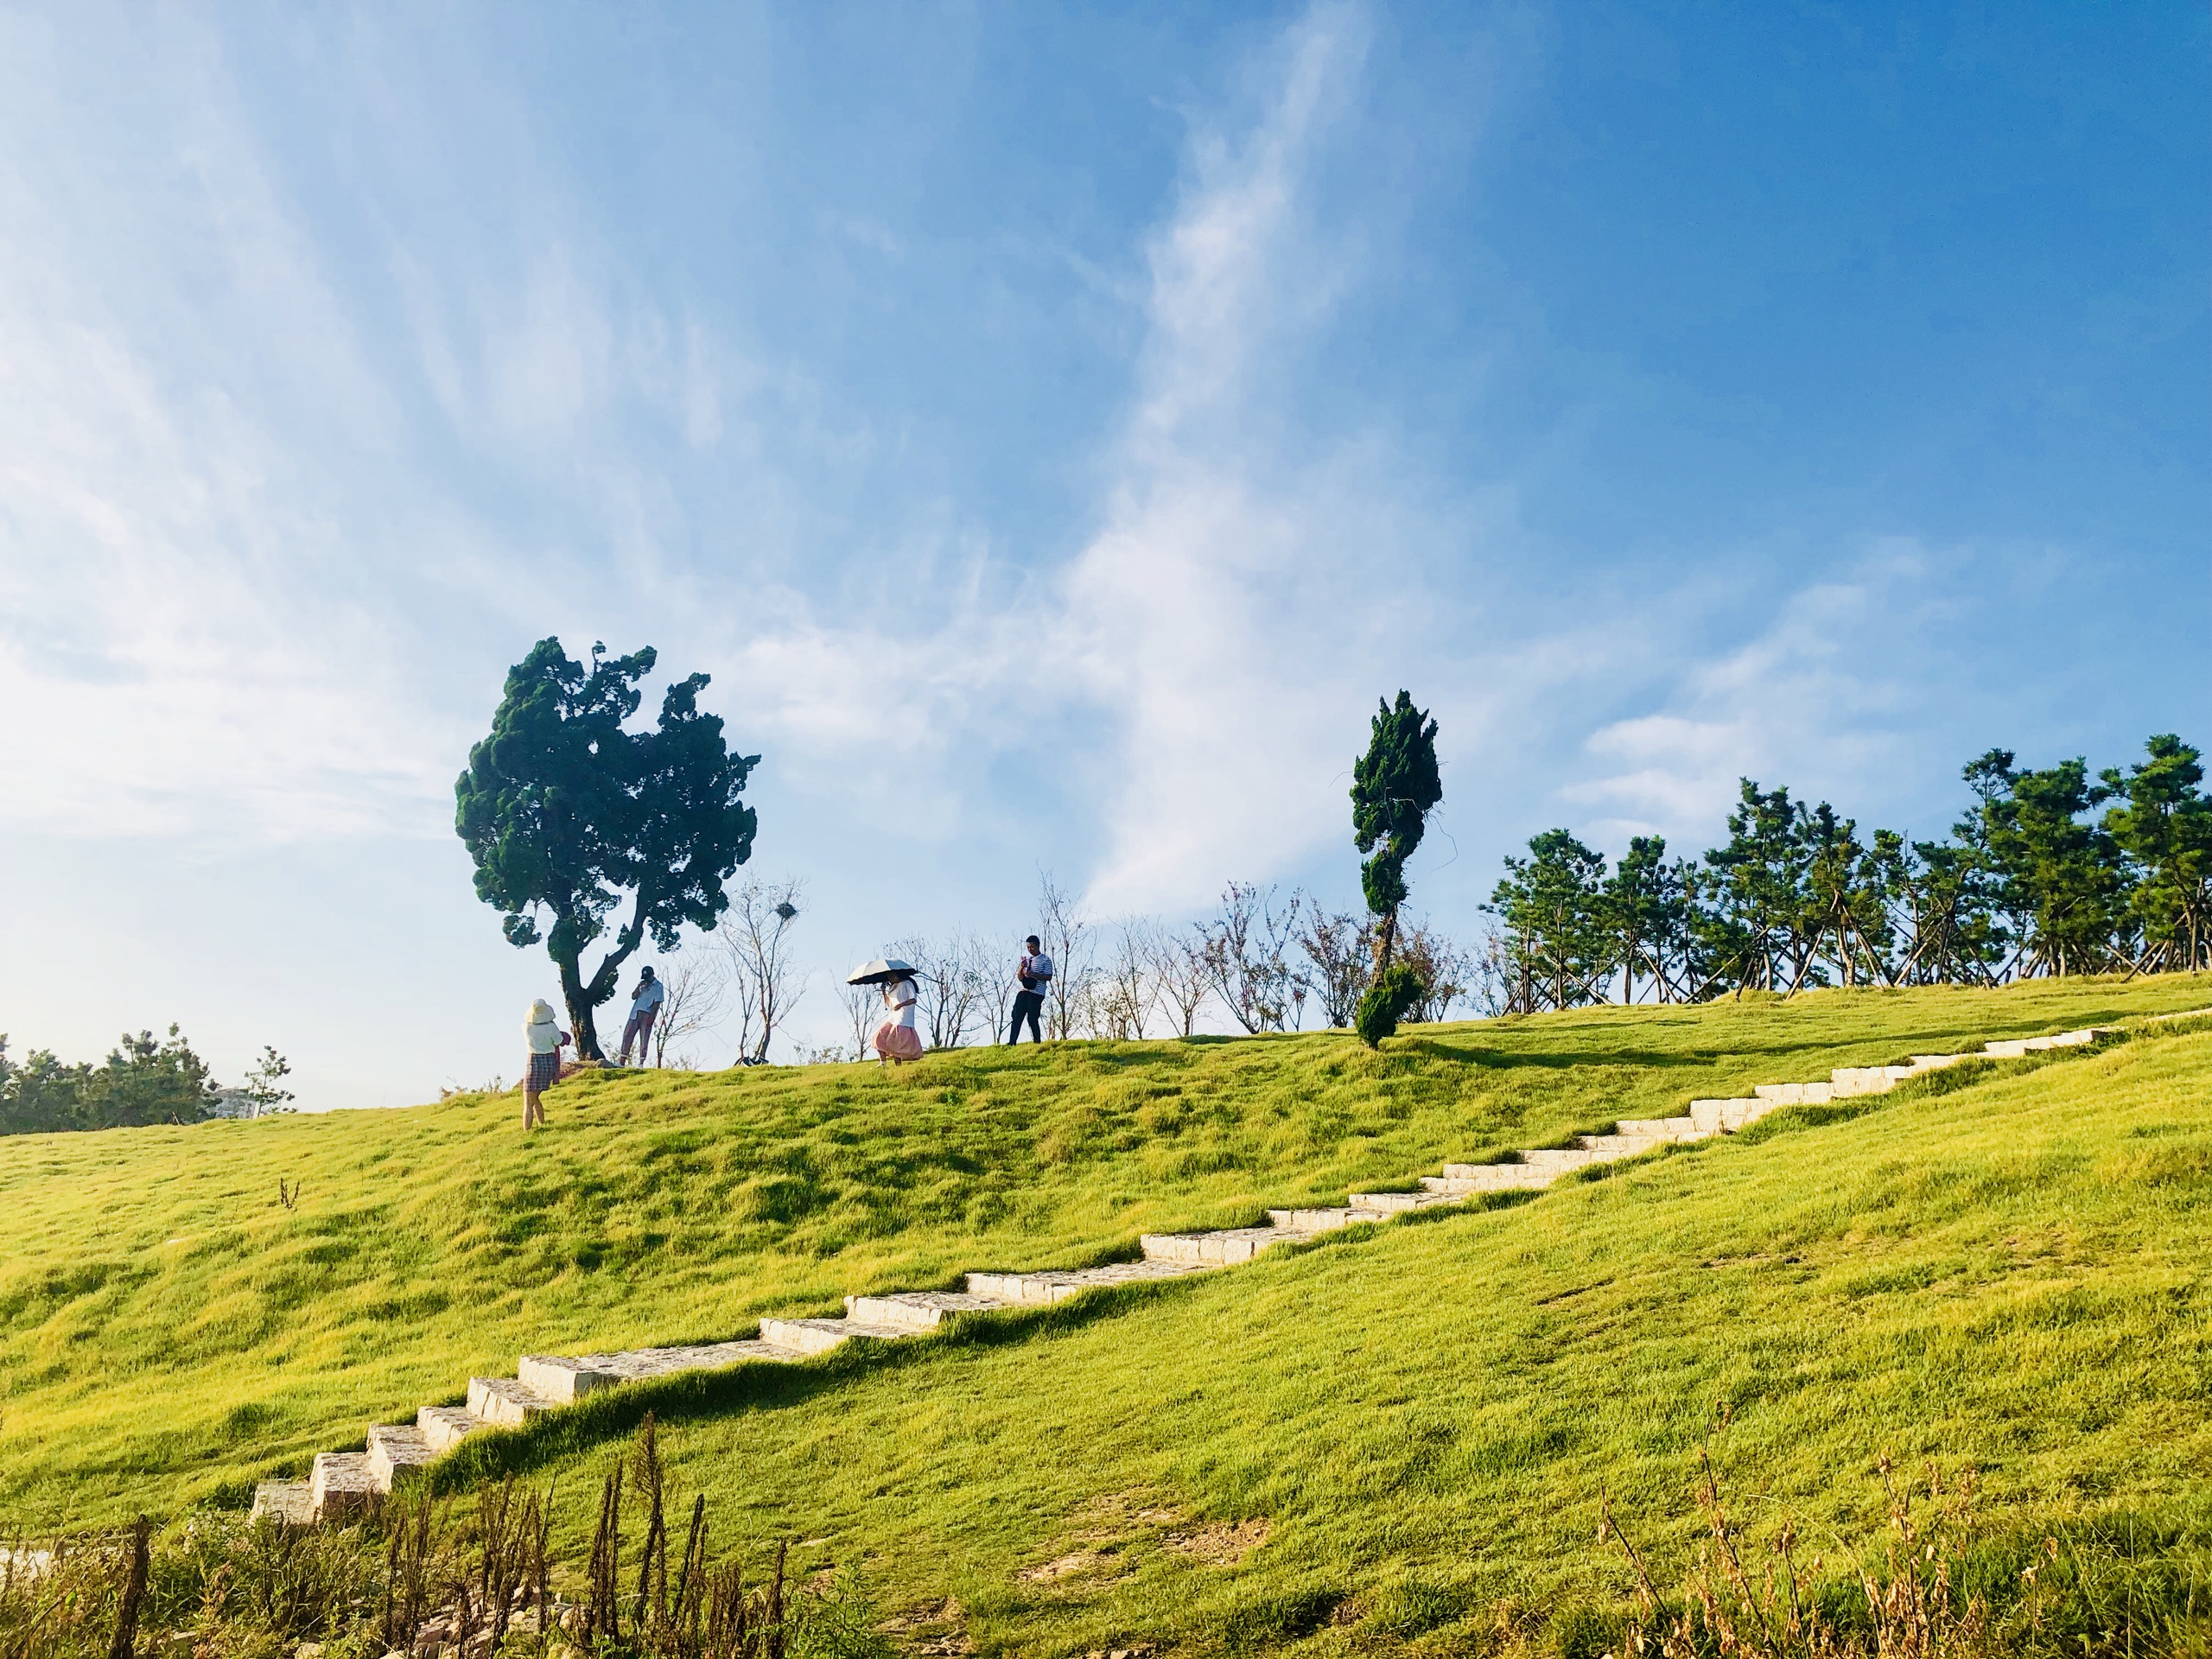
(644, 1003)
(896, 1038)
(546, 1041)
(1035, 973)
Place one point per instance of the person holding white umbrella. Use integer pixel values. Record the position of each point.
(895, 1040)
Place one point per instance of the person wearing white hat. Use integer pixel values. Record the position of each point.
(546, 1040)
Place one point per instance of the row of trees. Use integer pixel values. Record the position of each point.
(565, 810)
(1264, 960)
(144, 1080)
(2048, 872)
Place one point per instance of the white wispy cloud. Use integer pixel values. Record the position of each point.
(1834, 697)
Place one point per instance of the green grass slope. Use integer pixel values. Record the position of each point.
(1417, 1419)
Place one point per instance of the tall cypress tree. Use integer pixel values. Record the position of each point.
(1395, 788)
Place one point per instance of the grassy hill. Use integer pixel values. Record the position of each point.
(1398, 1430)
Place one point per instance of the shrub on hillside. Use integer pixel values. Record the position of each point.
(1386, 1002)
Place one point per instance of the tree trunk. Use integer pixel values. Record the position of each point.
(581, 1024)
(1385, 937)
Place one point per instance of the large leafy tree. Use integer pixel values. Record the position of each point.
(2063, 883)
(564, 811)
(2164, 826)
(1552, 906)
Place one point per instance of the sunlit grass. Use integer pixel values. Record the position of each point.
(1423, 1415)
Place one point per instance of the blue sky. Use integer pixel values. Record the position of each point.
(1053, 428)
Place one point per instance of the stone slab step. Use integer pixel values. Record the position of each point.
(1623, 1146)
(1795, 1094)
(1308, 1222)
(505, 1401)
(287, 1501)
(341, 1484)
(1723, 1116)
(1041, 1289)
(1223, 1249)
(396, 1451)
(1848, 1080)
(443, 1427)
(1673, 1129)
(918, 1310)
(564, 1378)
(1373, 1206)
(1559, 1160)
(820, 1336)
(1495, 1178)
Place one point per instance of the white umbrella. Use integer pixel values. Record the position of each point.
(876, 972)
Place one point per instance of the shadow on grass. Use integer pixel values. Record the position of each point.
(1554, 1060)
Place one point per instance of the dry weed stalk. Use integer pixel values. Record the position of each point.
(1913, 1609)
(412, 1581)
(712, 1615)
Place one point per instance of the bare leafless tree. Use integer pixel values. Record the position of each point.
(1248, 945)
(692, 993)
(998, 985)
(864, 1008)
(766, 983)
(1446, 972)
(1180, 973)
(953, 986)
(1339, 960)
(1065, 933)
(1490, 976)
(1126, 990)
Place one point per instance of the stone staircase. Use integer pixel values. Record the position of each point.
(342, 1483)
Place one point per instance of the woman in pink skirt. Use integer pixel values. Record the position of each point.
(896, 1038)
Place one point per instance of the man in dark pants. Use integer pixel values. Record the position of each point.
(1035, 972)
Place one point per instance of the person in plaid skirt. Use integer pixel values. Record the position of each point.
(547, 1039)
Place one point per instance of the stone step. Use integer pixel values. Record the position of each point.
(564, 1378)
(1937, 1062)
(396, 1451)
(1795, 1094)
(1849, 1080)
(1559, 1160)
(341, 1484)
(1318, 1220)
(1223, 1249)
(1673, 1129)
(1495, 1178)
(1373, 1206)
(443, 1427)
(2010, 1048)
(2072, 1038)
(1623, 1146)
(1723, 1116)
(820, 1336)
(506, 1402)
(918, 1310)
(289, 1502)
(1041, 1289)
